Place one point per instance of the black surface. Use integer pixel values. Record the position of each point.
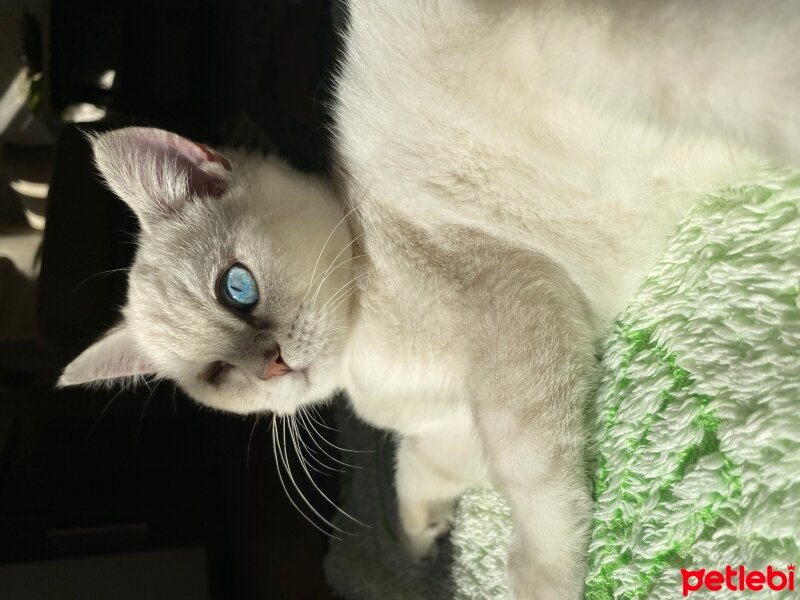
(133, 472)
(88, 244)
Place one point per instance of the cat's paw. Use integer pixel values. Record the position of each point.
(423, 524)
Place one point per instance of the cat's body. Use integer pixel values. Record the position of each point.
(510, 172)
(514, 182)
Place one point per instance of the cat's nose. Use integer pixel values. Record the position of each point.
(274, 366)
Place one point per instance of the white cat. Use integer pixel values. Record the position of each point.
(510, 171)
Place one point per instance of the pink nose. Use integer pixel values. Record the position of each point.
(274, 366)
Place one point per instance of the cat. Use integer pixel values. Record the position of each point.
(508, 172)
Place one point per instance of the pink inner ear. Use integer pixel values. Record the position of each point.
(201, 164)
(212, 156)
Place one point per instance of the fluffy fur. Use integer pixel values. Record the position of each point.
(510, 172)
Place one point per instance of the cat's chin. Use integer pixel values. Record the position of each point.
(289, 392)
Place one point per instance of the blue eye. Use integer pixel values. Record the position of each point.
(237, 288)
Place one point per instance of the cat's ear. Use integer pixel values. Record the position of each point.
(113, 356)
(157, 172)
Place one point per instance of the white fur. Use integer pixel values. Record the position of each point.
(511, 171)
(517, 167)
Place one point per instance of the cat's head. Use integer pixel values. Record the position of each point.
(240, 290)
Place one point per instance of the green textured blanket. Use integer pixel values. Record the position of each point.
(696, 429)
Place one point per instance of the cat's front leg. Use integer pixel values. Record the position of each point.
(530, 372)
(433, 469)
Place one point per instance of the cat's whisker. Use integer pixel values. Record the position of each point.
(307, 421)
(108, 272)
(144, 408)
(332, 445)
(314, 441)
(249, 443)
(311, 428)
(341, 320)
(275, 453)
(310, 465)
(133, 238)
(299, 446)
(324, 276)
(344, 298)
(322, 250)
(335, 330)
(293, 434)
(105, 409)
(312, 455)
(333, 297)
(332, 305)
(340, 290)
(319, 286)
(318, 418)
(335, 267)
(332, 310)
(285, 458)
(316, 293)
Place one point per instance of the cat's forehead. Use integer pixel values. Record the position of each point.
(206, 233)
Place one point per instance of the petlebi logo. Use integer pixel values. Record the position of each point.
(738, 579)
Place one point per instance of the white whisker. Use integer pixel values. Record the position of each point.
(332, 445)
(336, 266)
(250, 441)
(319, 286)
(276, 452)
(105, 409)
(344, 299)
(312, 455)
(322, 250)
(311, 429)
(293, 433)
(313, 414)
(108, 272)
(285, 458)
(340, 290)
(144, 408)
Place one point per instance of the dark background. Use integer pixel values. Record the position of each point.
(141, 493)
